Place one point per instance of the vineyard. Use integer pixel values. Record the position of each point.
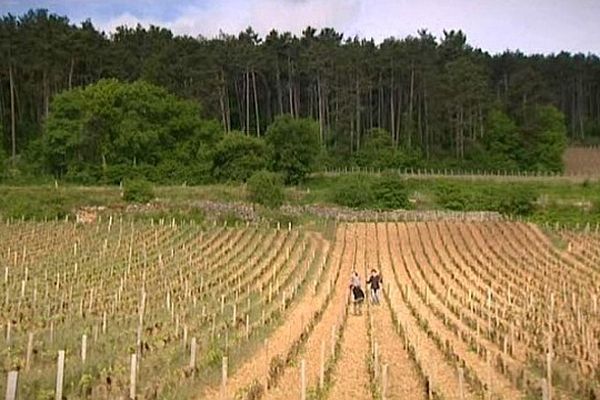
(124, 309)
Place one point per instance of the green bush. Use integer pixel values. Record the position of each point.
(517, 202)
(31, 205)
(354, 191)
(294, 143)
(390, 193)
(238, 156)
(138, 191)
(507, 200)
(266, 188)
(450, 197)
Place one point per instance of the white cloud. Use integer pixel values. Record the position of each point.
(534, 26)
(129, 20)
(263, 15)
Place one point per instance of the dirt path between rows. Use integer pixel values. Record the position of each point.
(288, 386)
(404, 380)
(256, 368)
(351, 375)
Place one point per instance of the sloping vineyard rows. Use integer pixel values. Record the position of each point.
(178, 296)
(502, 304)
(470, 310)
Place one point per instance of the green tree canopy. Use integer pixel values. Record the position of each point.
(546, 136)
(238, 156)
(112, 124)
(503, 143)
(377, 150)
(294, 143)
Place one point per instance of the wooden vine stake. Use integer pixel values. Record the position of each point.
(193, 354)
(333, 340)
(133, 376)
(545, 391)
(29, 351)
(549, 374)
(60, 371)
(11, 385)
(224, 379)
(267, 359)
(303, 380)
(322, 369)
(384, 381)
(461, 384)
(83, 348)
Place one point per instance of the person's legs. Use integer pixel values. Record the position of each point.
(373, 296)
(376, 293)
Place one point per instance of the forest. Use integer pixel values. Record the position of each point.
(418, 100)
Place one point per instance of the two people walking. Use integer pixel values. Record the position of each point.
(358, 295)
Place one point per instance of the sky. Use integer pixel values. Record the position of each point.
(531, 26)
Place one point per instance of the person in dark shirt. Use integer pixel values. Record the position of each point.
(358, 296)
(375, 281)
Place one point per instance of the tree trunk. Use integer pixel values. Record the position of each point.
(291, 98)
(410, 106)
(247, 102)
(297, 107)
(370, 108)
(13, 123)
(392, 111)
(227, 105)
(256, 110)
(71, 68)
(358, 123)
(240, 101)
(46, 93)
(427, 138)
(399, 116)
(321, 112)
(380, 102)
(222, 102)
(279, 91)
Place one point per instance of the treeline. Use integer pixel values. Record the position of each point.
(438, 100)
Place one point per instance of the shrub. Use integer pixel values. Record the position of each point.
(238, 156)
(294, 143)
(389, 193)
(354, 191)
(450, 197)
(31, 205)
(266, 188)
(517, 202)
(138, 191)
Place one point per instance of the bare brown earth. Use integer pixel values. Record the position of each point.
(460, 299)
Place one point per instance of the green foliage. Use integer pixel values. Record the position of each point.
(502, 142)
(266, 188)
(517, 202)
(294, 143)
(138, 191)
(238, 156)
(3, 160)
(24, 204)
(377, 150)
(213, 355)
(111, 124)
(505, 199)
(354, 191)
(546, 138)
(389, 193)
